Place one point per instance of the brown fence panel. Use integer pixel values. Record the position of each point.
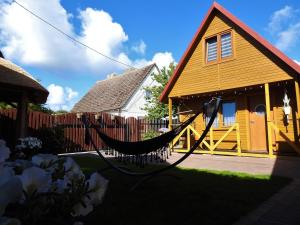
(125, 129)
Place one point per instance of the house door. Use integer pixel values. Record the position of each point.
(257, 123)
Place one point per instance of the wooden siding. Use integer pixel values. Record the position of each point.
(251, 64)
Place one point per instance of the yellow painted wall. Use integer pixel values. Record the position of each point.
(251, 65)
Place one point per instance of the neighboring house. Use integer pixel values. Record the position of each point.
(258, 83)
(122, 95)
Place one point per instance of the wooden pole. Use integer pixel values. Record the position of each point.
(268, 111)
(170, 114)
(238, 139)
(211, 139)
(298, 108)
(188, 133)
(171, 145)
(22, 117)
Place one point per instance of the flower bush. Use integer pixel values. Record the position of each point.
(45, 189)
(27, 147)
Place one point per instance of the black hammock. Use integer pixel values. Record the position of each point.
(146, 146)
(121, 145)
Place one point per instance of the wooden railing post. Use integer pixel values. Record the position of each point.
(170, 120)
(188, 134)
(268, 112)
(238, 139)
(170, 114)
(211, 140)
(298, 109)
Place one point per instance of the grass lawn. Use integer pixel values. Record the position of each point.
(180, 197)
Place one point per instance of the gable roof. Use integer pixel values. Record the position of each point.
(113, 93)
(193, 44)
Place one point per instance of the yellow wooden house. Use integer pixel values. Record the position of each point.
(257, 82)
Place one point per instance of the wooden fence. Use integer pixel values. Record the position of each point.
(129, 129)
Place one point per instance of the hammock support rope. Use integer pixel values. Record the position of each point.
(108, 140)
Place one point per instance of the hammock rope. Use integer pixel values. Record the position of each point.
(85, 121)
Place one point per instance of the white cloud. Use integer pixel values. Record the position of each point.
(28, 41)
(140, 48)
(287, 38)
(61, 97)
(279, 17)
(162, 59)
(284, 26)
(296, 61)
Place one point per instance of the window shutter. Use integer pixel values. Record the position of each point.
(212, 49)
(226, 47)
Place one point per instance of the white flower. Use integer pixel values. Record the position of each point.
(6, 173)
(10, 191)
(59, 185)
(4, 151)
(72, 170)
(44, 160)
(80, 210)
(35, 179)
(97, 188)
(29, 142)
(2, 143)
(23, 164)
(9, 221)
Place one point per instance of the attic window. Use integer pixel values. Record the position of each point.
(219, 47)
(212, 49)
(226, 46)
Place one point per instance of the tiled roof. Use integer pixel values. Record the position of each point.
(112, 93)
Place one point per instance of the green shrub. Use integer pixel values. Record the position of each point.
(52, 139)
(150, 134)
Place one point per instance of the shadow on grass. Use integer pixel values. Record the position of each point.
(194, 197)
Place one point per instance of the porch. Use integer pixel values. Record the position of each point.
(257, 128)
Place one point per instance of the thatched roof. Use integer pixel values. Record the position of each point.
(112, 93)
(14, 80)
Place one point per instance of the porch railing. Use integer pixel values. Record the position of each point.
(210, 144)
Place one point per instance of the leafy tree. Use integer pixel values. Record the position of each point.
(40, 108)
(153, 106)
(31, 106)
(61, 111)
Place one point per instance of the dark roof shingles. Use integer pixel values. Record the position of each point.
(112, 93)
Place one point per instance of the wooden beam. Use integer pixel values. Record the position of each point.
(268, 112)
(298, 109)
(238, 139)
(22, 116)
(170, 113)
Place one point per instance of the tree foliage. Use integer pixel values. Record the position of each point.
(34, 107)
(154, 108)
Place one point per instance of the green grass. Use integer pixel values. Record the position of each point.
(180, 196)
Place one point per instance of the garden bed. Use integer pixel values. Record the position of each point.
(179, 196)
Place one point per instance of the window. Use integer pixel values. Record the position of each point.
(226, 48)
(219, 47)
(228, 112)
(148, 94)
(212, 49)
(208, 113)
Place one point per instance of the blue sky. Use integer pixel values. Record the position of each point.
(136, 32)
